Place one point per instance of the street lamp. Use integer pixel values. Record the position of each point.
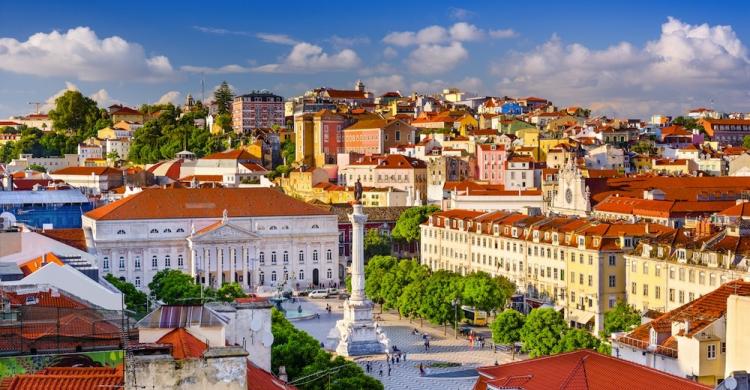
(455, 302)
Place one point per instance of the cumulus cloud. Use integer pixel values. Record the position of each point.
(458, 32)
(281, 39)
(433, 59)
(169, 97)
(306, 57)
(103, 99)
(344, 42)
(503, 33)
(466, 32)
(80, 53)
(389, 53)
(685, 66)
(384, 84)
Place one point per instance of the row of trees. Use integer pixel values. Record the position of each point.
(174, 287)
(544, 332)
(135, 300)
(416, 292)
(310, 367)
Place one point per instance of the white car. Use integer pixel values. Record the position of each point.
(319, 294)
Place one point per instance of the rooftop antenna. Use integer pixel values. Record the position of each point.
(203, 88)
(36, 104)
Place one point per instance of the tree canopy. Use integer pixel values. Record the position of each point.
(77, 113)
(622, 317)
(376, 244)
(506, 329)
(574, 339)
(485, 292)
(135, 300)
(223, 97)
(175, 287)
(542, 331)
(407, 226)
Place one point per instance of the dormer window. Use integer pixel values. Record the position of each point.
(581, 241)
(180, 230)
(315, 227)
(154, 231)
(272, 228)
(120, 232)
(167, 230)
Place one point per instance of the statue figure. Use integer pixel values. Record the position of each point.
(357, 191)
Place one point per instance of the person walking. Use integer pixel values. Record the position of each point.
(404, 357)
(381, 370)
(389, 370)
(421, 369)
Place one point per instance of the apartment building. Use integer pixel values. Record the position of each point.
(391, 171)
(577, 265)
(257, 109)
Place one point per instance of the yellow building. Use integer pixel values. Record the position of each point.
(574, 264)
(465, 123)
(304, 140)
(300, 183)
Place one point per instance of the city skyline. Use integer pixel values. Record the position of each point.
(630, 59)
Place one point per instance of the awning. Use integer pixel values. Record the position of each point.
(581, 317)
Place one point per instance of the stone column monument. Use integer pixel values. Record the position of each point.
(357, 333)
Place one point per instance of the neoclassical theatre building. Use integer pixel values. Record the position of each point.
(252, 236)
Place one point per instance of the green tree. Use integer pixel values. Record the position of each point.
(376, 268)
(174, 287)
(7, 152)
(407, 226)
(621, 318)
(542, 331)
(287, 152)
(37, 167)
(135, 300)
(76, 112)
(397, 278)
(746, 141)
(575, 339)
(506, 329)
(224, 121)
(113, 156)
(485, 292)
(441, 289)
(410, 301)
(223, 98)
(688, 123)
(229, 291)
(376, 244)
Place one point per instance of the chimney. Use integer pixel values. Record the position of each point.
(282, 374)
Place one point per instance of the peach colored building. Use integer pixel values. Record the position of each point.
(377, 136)
(490, 160)
(395, 170)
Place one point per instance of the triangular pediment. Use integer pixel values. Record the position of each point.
(223, 232)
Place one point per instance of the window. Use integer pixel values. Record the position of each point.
(154, 231)
(167, 230)
(633, 266)
(329, 255)
(105, 262)
(682, 296)
(657, 292)
(286, 257)
(682, 274)
(273, 258)
(645, 268)
(180, 230)
(591, 280)
(315, 227)
(657, 270)
(633, 288)
(723, 347)
(315, 256)
(273, 276)
(612, 281)
(612, 260)
(180, 261)
(262, 258)
(301, 274)
(301, 257)
(272, 228)
(138, 281)
(121, 263)
(137, 262)
(154, 262)
(711, 351)
(261, 277)
(167, 261)
(329, 273)
(120, 232)
(671, 295)
(645, 290)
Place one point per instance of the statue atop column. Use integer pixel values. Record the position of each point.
(357, 191)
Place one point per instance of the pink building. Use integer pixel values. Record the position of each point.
(490, 160)
(257, 110)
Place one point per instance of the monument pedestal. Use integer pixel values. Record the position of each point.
(358, 334)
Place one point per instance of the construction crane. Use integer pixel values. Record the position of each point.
(37, 104)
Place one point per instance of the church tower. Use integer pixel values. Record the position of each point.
(189, 103)
(359, 86)
(573, 196)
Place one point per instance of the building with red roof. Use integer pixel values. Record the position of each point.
(582, 369)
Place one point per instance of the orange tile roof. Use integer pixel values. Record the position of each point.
(72, 237)
(738, 210)
(236, 154)
(345, 94)
(260, 379)
(31, 266)
(85, 171)
(582, 369)
(254, 167)
(74, 378)
(368, 124)
(184, 344)
(203, 178)
(175, 203)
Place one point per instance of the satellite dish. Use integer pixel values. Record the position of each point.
(730, 383)
(267, 339)
(255, 324)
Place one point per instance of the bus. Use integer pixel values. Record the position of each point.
(474, 316)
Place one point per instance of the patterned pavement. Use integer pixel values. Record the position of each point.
(405, 375)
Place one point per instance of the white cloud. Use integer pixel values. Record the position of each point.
(80, 53)
(50, 102)
(221, 31)
(466, 32)
(503, 33)
(344, 42)
(169, 97)
(686, 65)
(226, 69)
(384, 84)
(433, 59)
(102, 98)
(389, 53)
(460, 13)
(306, 57)
(281, 39)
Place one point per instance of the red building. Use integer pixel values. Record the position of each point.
(257, 109)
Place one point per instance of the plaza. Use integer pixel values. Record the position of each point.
(444, 349)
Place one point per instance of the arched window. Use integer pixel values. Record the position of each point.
(286, 275)
(301, 274)
(301, 257)
(315, 227)
(167, 230)
(286, 257)
(137, 262)
(105, 262)
(121, 263)
(329, 255)
(273, 258)
(261, 277)
(154, 231)
(120, 232)
(167, 261)
(180, 261)
(329, 273)
(272, 228)
(315, 256)
(262, 258)
(138, 281)
(180, 230)
(273, 276)
(154, 262)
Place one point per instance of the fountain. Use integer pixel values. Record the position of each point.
(296, 313)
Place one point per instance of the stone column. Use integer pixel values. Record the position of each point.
(219, 267)
(245, 259)
(358, 219)
(206, 264)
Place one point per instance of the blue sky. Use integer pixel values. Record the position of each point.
(631, 58)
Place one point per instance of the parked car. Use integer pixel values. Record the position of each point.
(318, 294)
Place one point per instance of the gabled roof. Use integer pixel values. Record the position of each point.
(87, 171)
(579, 370)
(236, 154)
(176, 203)
(738, 210)
(172, 316)
(184, 344)
(56, 378)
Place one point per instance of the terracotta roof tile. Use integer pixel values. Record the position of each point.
(184, 344)
(85, 171)
(72, 237)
